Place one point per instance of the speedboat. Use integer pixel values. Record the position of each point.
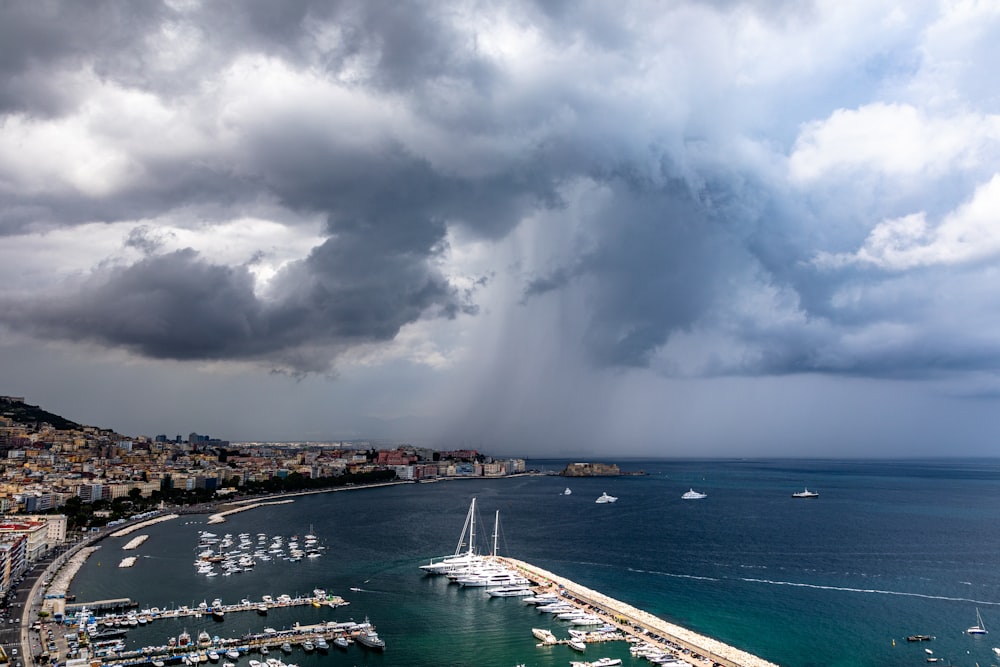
(341, 642)
(567, 492)
(605, 498)
(577, 645)
(806, 493)
(233, 654)
(693, 495)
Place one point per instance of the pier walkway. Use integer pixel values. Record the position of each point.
(641, 624)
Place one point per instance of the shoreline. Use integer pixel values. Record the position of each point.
(638, 623)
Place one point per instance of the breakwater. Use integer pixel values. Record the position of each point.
(640, 624)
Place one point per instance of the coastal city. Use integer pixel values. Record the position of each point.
(61, 479)
(69, 487)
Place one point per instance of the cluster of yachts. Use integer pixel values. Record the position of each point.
(234, 555)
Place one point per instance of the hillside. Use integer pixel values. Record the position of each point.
(30, 415)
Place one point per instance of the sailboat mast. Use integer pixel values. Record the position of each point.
(496, 531)
(472, 527)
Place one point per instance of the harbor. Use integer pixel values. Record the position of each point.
(593, 616)
(637, 626)
(99, 640)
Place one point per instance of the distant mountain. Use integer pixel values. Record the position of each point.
(30, 415)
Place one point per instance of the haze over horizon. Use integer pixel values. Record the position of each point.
(724, 228)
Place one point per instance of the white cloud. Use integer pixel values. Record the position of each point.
(971, 233)
(891, 140)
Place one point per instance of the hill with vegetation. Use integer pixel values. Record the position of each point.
(32, 415)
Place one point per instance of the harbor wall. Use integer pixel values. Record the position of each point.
(640, 623)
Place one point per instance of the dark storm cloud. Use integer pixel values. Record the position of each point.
(447, 135)
(180, 306)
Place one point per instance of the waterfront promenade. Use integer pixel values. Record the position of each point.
(641, 624)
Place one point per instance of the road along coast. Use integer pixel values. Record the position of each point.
(640, 624)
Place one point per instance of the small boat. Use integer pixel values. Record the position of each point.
(308, 646)
(605, 498)
(218, 615)
(286, 647)
(213, 656)
(919, 638)
(567, 492)
(233, 654)
(805, 493)
(979, 628)
(693, 495)
(321, 645)
(341, 643)
(577, 645)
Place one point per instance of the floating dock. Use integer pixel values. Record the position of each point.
(640, 624)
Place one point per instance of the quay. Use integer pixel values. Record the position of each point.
(101, 605)
(638, 624)
(204, 609)
(220, 517)
(296, 636)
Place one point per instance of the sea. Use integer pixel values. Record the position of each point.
(889, 549)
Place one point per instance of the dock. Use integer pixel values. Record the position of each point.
(102, 605)
(639, 625)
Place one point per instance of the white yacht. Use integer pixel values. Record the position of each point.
(605, 498)
(459, 559)
(805, 494)
(693, 495)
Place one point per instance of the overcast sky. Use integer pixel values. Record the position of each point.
(561, 228)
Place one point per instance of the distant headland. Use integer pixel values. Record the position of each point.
(596, 470)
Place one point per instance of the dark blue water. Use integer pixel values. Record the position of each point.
(890, 548)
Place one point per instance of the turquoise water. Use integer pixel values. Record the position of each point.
(889, 549)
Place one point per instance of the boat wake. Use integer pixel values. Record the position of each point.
(874, 591)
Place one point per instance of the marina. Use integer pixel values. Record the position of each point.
(635, 625)
(100, 638)
(685, 563)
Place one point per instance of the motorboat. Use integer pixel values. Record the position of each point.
(543, 635)
(693, 495)
(233, 654)
(341, 643)
(370, 639)
(567, 492)
(605, 498)
(577, 645)
(805, 493)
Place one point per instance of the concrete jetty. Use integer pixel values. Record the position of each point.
(219, 517)
(640, 624)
